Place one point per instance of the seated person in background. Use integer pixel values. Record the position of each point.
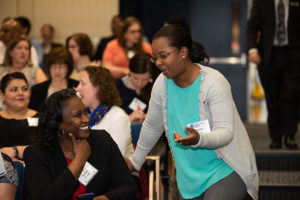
(8, 181)
(47, 33)
(65, 144)
(17, 122)
(11, 30)
(81, 48)
(116, 27)
(58, 67)
(26, 27)
(118, 51)
(99, 94)
(135, 88)
(17, 59)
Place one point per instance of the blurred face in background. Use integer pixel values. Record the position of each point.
(133, 34)
(58, 71)
(87, 91)
(20, 53)
(16, 95)
(46, 33)
(139, 81)
(74, 49)
(10, 30)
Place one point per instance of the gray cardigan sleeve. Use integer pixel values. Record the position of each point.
(152, 127)
(218, 109)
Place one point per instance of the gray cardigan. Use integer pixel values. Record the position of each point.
(228, 136)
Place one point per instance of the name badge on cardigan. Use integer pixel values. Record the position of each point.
(87, 174)
(201, 126)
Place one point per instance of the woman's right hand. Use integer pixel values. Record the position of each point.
(81, 148)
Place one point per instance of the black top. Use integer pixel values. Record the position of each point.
(16, 132)
(39, 93)
(47, 176)
(127, 95)
(101, 47)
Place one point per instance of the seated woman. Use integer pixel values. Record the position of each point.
(118, 51)
(135, 88)
(18, 123)
(58, 67)
(8, 181)
(99, 93)
(17, 59)
(55, 165)
(81, 48)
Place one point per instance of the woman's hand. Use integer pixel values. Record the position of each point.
(137, 115)
(129, 164)
(191, 139)
(81, 148)
(102, 197)
(82, 152)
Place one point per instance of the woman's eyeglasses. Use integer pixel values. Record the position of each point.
(161, 57)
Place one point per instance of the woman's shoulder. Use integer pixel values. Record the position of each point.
(113, 43)
(213, 75)
(41, 86)
(99, 135)
(117, 111)
(147, 47)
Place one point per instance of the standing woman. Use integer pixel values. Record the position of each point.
(17, 122)
(81, 48)
(118, 51)
(58, 67)
(218, 163)
(100, 95)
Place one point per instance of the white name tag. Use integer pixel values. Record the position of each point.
(130, 54)
(87, 174)
(136, 103)
(33, 121)
(201, 126)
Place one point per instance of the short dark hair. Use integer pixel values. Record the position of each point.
(25, 23)
(102, 78)
(59, 55)
(180, 37)
(140, 63)
(84, 43)
(51, 117)
(9, 77)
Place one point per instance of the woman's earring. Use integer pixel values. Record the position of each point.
(62, 132)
